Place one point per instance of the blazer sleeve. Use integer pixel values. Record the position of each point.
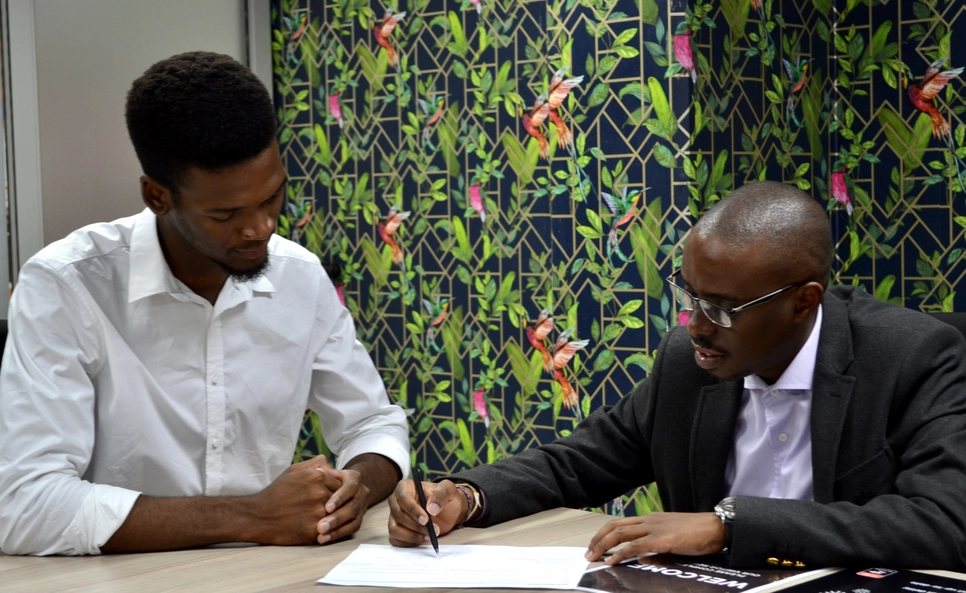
(607, 455)
(903, 508)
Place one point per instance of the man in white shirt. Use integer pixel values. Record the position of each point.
(787, 423)
(158, 366)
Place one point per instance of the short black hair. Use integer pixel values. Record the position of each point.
(197, 109)
(791, 226)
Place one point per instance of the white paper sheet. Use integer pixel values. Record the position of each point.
(461, 566)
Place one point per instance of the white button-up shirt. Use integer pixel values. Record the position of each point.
(117, 380)
(772, 454)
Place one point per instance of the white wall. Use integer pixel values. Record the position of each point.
(88, 53)
(71, 65)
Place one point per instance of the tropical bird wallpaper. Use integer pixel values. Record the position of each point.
(500, 187)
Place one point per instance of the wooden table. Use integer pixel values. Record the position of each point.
(268, 568)
(253, 569)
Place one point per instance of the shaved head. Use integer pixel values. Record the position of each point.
(784, 227)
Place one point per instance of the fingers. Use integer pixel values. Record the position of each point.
(347, 484)
(437, 495)
(317, 462)
(406, 518)
(615, 533)
(341, 523)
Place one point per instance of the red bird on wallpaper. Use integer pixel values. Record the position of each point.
(546, 106)
(533, 120)
(562, 353)
(388, 228)
(922, 95)
(559, 89)
(537, 332)
(383, 30)
(682, 52)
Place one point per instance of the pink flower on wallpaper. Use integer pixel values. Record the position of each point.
(479, 404)
(840, 190)
(682, 51)
(338, 291)
(684, 317)
(476, 201)
(335, 109)
(478, 5)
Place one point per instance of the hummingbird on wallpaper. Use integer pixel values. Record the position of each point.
(623, 207)
(440, 103)
(301, 214)
(798, 75)
(383, 29)
(559, 89)
(563, 351)
(546, 106)
(387, 229)
(537, 332)
(922, 95)
(290, 46)
(533, 120)
(437, 311)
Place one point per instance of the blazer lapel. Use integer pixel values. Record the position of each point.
(711, 441)
(831, 392)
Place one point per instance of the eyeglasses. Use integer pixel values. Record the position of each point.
(718, 315)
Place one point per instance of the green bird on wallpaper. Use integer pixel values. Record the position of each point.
(623, 207)
(440, 102)
(797, 74)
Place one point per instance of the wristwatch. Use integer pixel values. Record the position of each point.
(726, 512)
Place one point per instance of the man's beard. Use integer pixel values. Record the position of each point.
(247, 275)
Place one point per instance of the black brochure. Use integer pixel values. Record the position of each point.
(676, 574)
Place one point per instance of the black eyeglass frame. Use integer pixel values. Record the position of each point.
(728, 313)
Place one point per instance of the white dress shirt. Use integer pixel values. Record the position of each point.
(118, 380)
(772, 454)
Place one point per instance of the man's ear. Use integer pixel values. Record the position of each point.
(156, 196)
(809, 297)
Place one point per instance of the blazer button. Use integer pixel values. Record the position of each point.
(772, 561)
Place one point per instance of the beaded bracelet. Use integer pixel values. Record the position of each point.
(472, 500)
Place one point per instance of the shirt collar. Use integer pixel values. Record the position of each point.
(149, 273)
(799, 374)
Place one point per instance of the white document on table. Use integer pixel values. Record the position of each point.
(461, 566)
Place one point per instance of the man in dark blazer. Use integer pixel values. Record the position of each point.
(875, 468)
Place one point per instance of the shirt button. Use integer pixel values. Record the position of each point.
(215, 443)
(215, 379)
(783, 437)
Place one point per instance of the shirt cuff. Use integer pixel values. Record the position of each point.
(386, 445)
(101, 513)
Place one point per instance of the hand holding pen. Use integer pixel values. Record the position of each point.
(418, 481)
(408, 519)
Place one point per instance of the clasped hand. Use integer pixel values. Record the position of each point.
(312, 501)
(690, 534)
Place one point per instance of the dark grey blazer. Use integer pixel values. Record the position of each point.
(888, 447)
